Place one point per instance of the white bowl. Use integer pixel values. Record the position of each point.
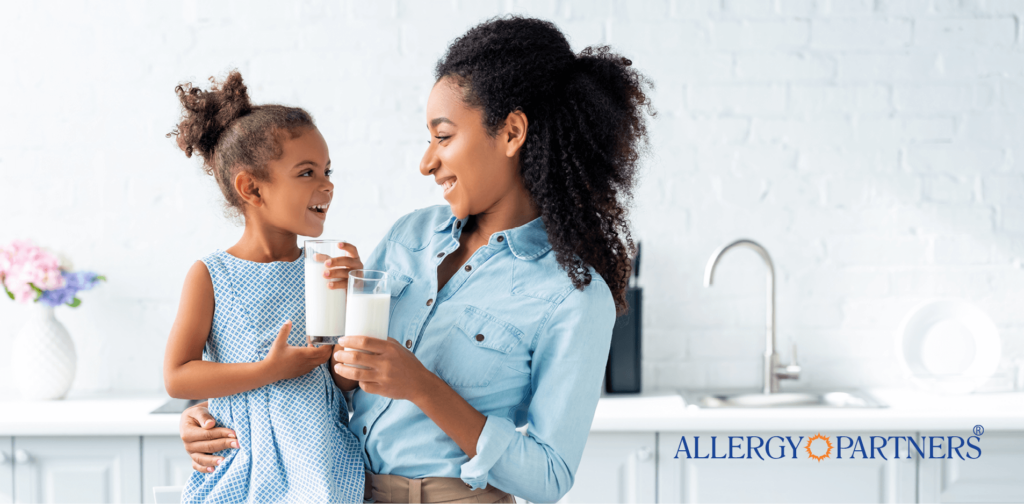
(948, 346)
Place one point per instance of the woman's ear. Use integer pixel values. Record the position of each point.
(514, 132)
(247, 189)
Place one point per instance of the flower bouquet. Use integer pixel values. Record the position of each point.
(44, 356)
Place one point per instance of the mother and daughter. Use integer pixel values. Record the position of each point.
(502, 306)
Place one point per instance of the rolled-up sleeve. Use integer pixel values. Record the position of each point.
(568, 361)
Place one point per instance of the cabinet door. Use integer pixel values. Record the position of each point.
(6, 470)
(786, 479)
(164, 463)
(616, 467)
(77, 469)
(994, 476)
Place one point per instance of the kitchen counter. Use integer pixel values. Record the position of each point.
(128, 414)
(907, 410)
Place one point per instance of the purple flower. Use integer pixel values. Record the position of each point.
(74, 282)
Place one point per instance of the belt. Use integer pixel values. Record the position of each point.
(393, 488)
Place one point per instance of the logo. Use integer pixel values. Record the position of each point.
(828, 443)
(820, 447)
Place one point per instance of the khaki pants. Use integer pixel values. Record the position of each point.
(391, 488)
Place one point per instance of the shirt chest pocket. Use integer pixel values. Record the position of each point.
(476, 349)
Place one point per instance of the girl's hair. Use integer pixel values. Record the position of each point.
(587, 131)
(231, 134)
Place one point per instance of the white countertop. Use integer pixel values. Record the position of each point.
(909, 410)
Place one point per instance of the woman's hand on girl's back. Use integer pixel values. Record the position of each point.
(338, 267)
(285, 361)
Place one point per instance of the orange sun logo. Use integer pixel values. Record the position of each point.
(828, 452)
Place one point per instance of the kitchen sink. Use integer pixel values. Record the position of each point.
(799, 399)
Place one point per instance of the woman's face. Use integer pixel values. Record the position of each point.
(299, 192)
(474, 169)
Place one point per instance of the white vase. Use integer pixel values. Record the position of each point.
(44, 357)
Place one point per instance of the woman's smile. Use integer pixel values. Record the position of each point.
(448, 184)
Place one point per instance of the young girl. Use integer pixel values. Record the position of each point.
(240, 326)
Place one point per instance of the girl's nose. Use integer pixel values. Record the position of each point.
(329, 187)
(430, 162)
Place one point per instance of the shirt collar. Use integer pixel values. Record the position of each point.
(527, 242)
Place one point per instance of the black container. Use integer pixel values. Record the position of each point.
(622, 375)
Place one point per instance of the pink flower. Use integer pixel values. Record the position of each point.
(23, 265)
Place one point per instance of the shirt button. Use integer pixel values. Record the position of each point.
(364, 429)
(408, 343)
(469, 268)
(458, 224)
(501, 239)
(430, 302)
(440, 254)
(479, 337)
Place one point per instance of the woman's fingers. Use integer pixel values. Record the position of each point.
(350, 249)
(353, 357)
(205, 463)
(368, 343)
(337, 265)
(207, 447)
(353, 373)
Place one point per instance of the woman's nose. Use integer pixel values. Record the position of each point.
(430, 162)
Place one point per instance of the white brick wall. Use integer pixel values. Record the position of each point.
(872, 146)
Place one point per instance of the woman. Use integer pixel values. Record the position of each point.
(503, 301)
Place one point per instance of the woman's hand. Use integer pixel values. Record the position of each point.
(392, 370)
(338, 267)
(202, 437)
(285, 361)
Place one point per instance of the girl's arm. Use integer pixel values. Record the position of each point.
(188, 376)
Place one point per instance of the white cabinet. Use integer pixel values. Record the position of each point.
(77, 469)
(164, 463)
(786, 479)
(616, 467)
(6, 470)
(996, 475)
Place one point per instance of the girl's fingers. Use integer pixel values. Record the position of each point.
(205, 463)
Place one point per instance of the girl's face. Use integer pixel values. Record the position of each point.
(473, 168)
(299, 191)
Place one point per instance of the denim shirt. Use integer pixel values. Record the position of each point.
(511, 335)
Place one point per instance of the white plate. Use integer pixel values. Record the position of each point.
(948, 346)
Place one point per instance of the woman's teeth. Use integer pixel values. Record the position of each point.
(319, 208)
(449, 185)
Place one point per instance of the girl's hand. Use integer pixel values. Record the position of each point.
(285, 361)
(393, 371)
(338, 267)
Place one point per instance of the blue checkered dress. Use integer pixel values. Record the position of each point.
(295, 445)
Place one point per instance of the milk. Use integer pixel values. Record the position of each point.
(325, 308)
(367, 315)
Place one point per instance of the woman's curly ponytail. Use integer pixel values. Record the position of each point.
(586, 136)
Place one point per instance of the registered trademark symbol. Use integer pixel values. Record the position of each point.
(978, 430)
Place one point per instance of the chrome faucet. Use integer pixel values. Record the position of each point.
(773, 371)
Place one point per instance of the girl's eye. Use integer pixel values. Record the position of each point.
(307, 173)
(329, 172)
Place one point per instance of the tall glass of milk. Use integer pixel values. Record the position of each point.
(325, 307)
(369, 304)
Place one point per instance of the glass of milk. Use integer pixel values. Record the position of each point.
(325, 308)
(369, 304)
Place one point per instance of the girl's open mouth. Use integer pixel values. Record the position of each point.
(320, 210)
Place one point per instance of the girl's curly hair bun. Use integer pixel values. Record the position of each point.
(206, 114)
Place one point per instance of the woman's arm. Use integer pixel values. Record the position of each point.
(568, 362)
(188, 376)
